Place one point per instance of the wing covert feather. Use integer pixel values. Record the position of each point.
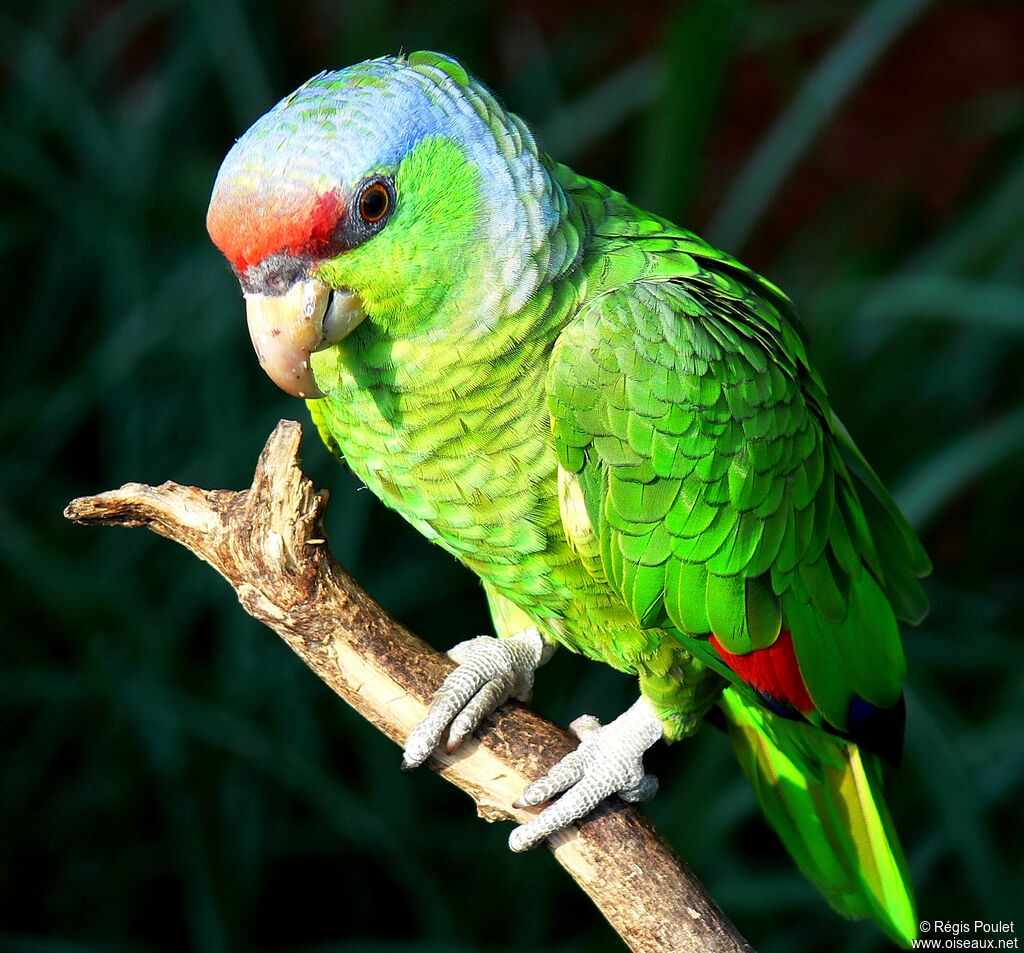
(724, 493)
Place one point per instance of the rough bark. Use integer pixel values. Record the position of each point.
(268, 542)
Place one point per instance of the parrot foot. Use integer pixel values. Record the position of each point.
(609, 760)
(490, 671)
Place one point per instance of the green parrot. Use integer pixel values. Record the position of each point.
(612, 423)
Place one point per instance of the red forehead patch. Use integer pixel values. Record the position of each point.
(248, 226)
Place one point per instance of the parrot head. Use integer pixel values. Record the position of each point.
(392, 192)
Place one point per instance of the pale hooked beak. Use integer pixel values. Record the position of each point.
(286, 329)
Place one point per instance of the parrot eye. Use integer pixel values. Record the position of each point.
(372, 204)
(374, 201)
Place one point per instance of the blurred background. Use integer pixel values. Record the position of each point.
(173, 778)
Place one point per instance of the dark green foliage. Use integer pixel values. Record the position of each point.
(172, 777)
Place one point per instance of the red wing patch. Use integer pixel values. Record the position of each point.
(772, 671)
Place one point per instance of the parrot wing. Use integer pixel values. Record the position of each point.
(722, 496)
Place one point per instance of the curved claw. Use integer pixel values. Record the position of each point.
(644, 791)
(609, 760)
(490, 672)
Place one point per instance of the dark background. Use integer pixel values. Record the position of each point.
(173, 778)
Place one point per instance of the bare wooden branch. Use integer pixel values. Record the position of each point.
(268, 542)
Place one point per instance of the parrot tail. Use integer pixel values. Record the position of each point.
(823, 797)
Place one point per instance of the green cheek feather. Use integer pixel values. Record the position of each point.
(398, 274)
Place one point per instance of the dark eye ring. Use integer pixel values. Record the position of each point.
(374, 203)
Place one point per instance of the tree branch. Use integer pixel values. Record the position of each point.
(268, 542)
